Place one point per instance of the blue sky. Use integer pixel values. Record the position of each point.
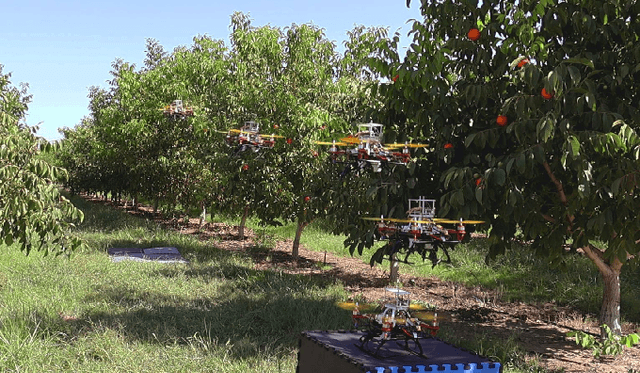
(61, 48)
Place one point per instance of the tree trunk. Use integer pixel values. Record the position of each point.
(393, 269)
(610, 309)
(296, 241)
(155, 204)
(243, 222)
(203, 216)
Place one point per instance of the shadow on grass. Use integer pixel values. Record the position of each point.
(252, 310)
(510, 343)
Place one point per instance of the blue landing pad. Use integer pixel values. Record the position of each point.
(337, 351)
(154, 254)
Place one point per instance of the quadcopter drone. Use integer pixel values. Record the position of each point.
(365, 149)
(248, 137)
(421, 231)
(394, 323)
(177, 110)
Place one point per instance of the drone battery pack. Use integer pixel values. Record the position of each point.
(338, 352)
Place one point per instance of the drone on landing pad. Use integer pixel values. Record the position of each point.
(399, 321)
(421, 232)
(365, 149)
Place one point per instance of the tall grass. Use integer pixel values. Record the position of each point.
(216, 314)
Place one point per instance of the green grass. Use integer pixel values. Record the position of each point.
(217, 313)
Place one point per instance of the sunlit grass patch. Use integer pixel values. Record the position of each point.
(217, 313)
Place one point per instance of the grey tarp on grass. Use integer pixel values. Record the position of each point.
(153, 254)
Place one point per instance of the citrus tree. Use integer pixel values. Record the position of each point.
(287, 81)
(33, 213)
(129, 146)
(290, 80)
(369, 54)
(539, 101)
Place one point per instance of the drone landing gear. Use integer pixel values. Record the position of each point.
(246, 148)
(371, 344)
(433, 256)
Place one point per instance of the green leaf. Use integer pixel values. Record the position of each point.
(574, 146)
(520, 163)
(510, 164)
(469, 140)
(575, 75)
(459, 196)
(500, 176)
(615, 186)
(582, 61)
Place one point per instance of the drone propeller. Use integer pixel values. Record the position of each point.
(406, 145)
(429, 316)
(451, 221)
(274, 136)
(351, 140)
(350, 306)
(395, 220)
(330, 143)
(417, 307)
(373, 218)
(239, 131)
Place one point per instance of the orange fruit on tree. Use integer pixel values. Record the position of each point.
(395, 78)
(474, 34)
(546, 95)
(523, 62)
(502, 120)
(448, 145)
(478, 181)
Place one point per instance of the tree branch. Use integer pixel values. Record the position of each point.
(596, 257)
(558, 184)
(561, 194)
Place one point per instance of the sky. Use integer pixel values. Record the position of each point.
(61, 48)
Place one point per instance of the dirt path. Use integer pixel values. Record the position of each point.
(539, 330)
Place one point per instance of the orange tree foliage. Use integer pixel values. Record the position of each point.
(33, 214)
(565, 168)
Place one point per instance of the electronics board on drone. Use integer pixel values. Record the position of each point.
(421, 232)
(177, 110)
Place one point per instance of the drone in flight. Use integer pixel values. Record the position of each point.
(399, 321)
(421, 231)
(177, 110)
(365, 149)
(248, 137)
